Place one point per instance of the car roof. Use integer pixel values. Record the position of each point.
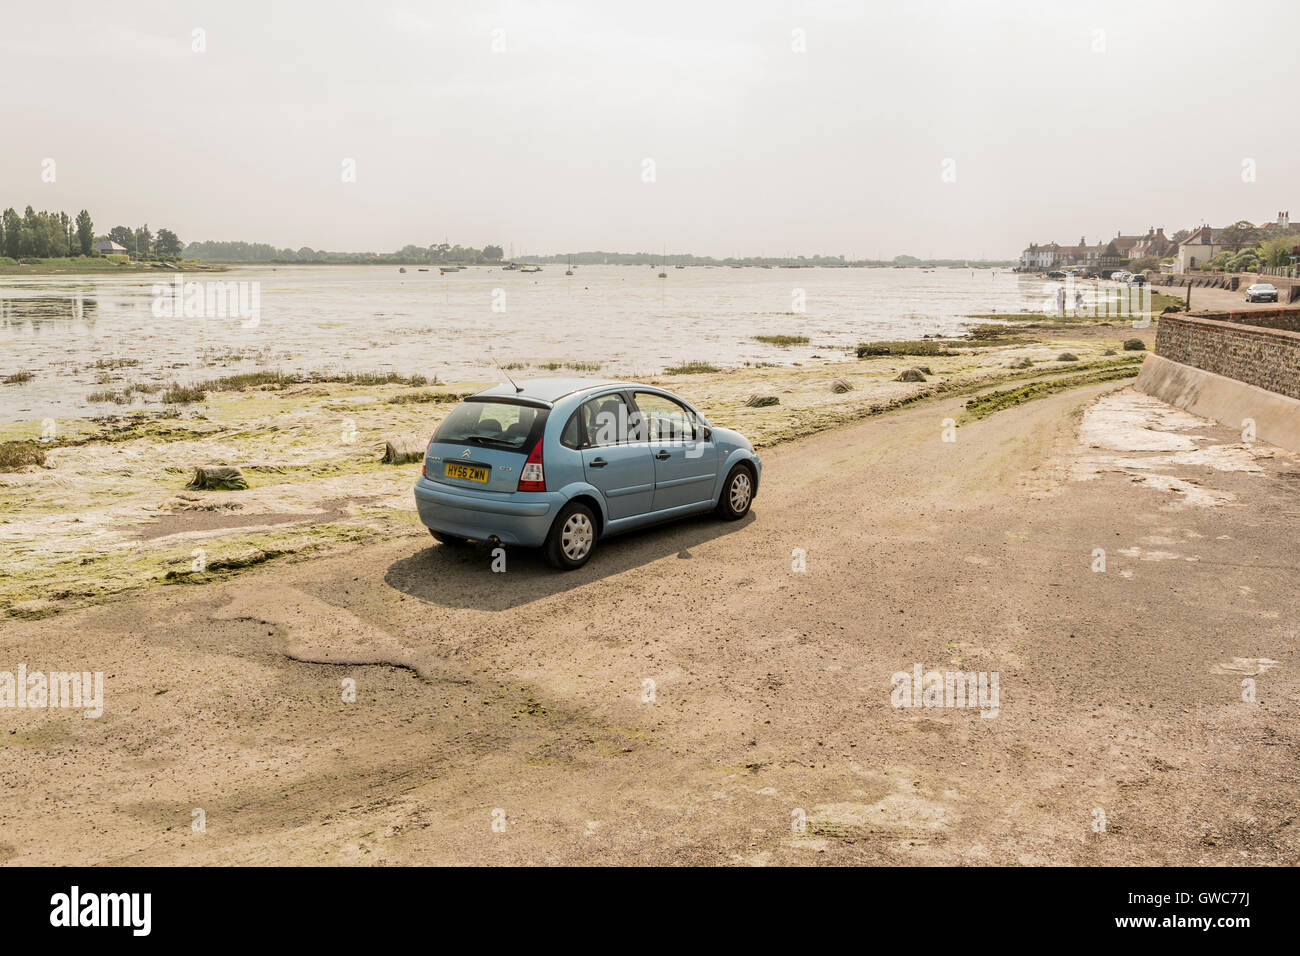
(549, 390)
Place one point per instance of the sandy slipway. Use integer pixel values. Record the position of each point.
(1120, 690)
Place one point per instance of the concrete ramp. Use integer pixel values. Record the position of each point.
(1226, 400)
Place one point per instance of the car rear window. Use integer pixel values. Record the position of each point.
(493, 423)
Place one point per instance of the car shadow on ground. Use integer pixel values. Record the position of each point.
(461, 576)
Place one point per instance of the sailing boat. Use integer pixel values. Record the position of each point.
(569, 271)
(662, 274)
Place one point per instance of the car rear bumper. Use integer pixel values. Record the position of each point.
(513, 519)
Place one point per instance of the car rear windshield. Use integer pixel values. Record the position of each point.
(494, 424)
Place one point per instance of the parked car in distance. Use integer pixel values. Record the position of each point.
(1262, 292)
(562, 463)
(1056, 274)
(1137, 278)
(1121, 276)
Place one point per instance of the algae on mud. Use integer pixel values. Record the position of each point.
(108, 512)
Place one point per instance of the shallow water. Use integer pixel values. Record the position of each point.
(364, 318)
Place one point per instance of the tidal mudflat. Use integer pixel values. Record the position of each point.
(107, 508)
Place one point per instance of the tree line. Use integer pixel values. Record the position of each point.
(45, 235)
(236, 251)
(55, 235)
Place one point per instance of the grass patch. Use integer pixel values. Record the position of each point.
(694, 367)
(574, 366)
(990, 334)
(122, 397)
(982, 406)
(933, 347)
(20, 454)
(553, 366)
(784, 341)
(17, 378)
(378, 378)
(409, 398)
(64, 265)
(243, 380)
(278, 379)
(176, 394)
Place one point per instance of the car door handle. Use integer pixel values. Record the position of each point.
(661, 454)
(598, 463)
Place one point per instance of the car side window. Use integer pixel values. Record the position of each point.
(663, 419)
(597, 423)
(573, 432)
(607, 421)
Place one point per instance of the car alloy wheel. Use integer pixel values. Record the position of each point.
(737, 493)
(572, 538)
(577, 536)
(740, 491)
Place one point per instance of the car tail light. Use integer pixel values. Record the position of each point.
(533, 477)
(424, 465)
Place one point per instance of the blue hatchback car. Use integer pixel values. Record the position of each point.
(560, 463)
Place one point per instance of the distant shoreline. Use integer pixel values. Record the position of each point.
(561, 261)
(101, 266)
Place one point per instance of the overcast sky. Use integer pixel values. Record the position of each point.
(1060, 119)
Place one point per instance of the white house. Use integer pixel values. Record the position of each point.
(1050, 255)
(1199, 248)
(1044, 256)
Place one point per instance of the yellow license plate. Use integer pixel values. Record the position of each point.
(455, 469)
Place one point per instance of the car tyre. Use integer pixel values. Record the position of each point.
(737, 493)
(444, 538)
(572, 538)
